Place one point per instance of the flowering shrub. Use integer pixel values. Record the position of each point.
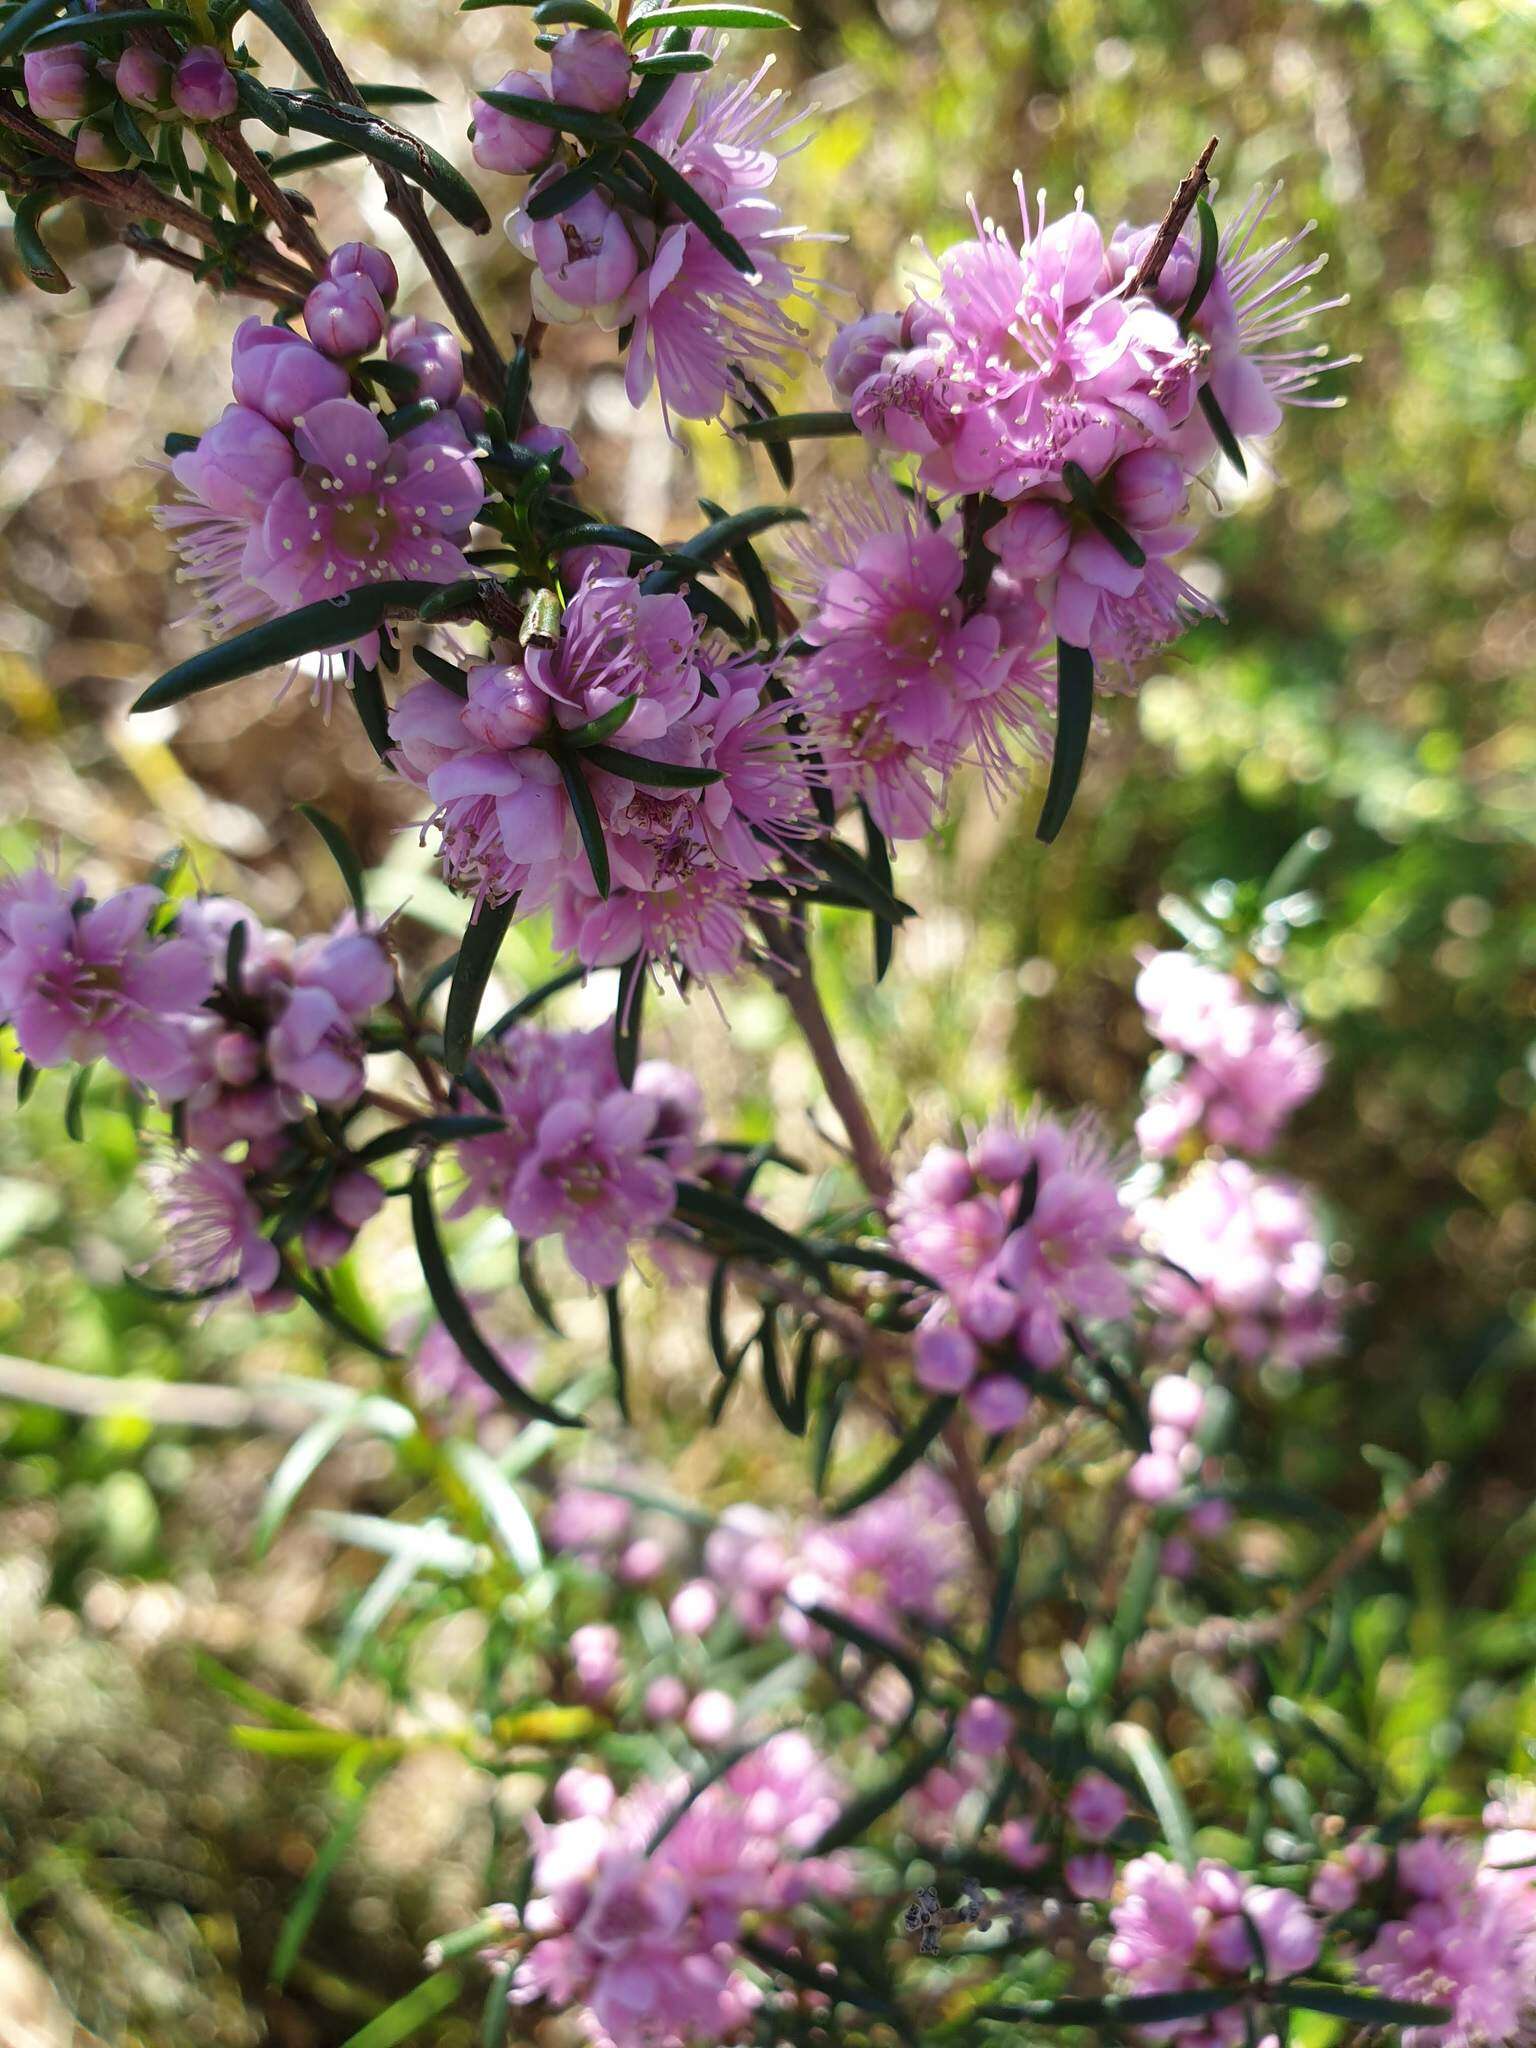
(781, 1770)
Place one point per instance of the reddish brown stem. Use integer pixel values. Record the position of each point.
(1171, 226)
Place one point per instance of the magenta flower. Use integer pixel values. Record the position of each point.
(1096, 1806)
(1242, 1256)
(213, 1237)
(892, 1567)
(590, 1177)
(904, 680)
(82, 982)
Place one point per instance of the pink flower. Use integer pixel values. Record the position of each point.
(985, 1727)
(904, 681)
(85, 982)
(1022, 1234)
(1179, 1930)
(586, 254)
(1466, 1938)
(638, 1945)
(1241, 1254)
(361, 259)
(1248, 1065)
(858, 351)
(590, 67)
(589, 1177)
(891, 1567)
(432, 354)
(143, 78)
(213, 1237)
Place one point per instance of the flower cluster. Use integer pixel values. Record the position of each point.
(1465, 1937)
(703, 309)
(581, 1156)
(1247, 1065)
(302, 490)
(1185, 1930)
(706, 790)
(905, 679)
(1241, 1256)
(632, 1921)
(68, 84)
(1022, 1234)
(1062, 380)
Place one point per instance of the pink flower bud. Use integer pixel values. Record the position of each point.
(710, 1719)
(1153, 1479)
(857, 352)
(990, 1312)
(590, 67)
(356, 1198)
(326, 1241)
(665, 1699)
(432, 353)
(998, 1402)
(1147, 488)
(1001, 1154)
(1016, 1841)
(1177, 1402)
(984, 1727)
(694, 1608)
(555, 441)
(279, 374)
(345, 316)
(1209, 1517)
(595, 1654)
(238, 464)
(143, 79)
(1096, 1806)
(1033, 540)
(586, 255)
(97, 149)
(1090, 1877)
(505, 143)
(944, 1359)
(581, 1794)
(505, 709)
(236, 1056)
(642, 1561)
(1334, 1889)
(361, 259)
(204, 86)
(60, 83)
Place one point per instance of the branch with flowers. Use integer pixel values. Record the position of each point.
(892, 1767)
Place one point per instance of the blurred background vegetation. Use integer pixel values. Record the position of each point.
(1377, 678)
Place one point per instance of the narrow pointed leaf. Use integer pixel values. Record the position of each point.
(1074, 716)
(535, 999)
(1162, 1789)
(1362, 2008)
(692, 14)
(1205, 270)
(367, 694)
(472, 971)
(273, 15)
(672, 63)
(588, 823)
(616, 1350)
(330, 623)
(396, 150)
(689, 202)
(342, 851)
(302, 1459)
(74, 1103)
(1219, 425)
(628, 1005)
(508, 1517)
(652, 774)
(26, 231)
(719, 1215)
(903, 1458)
(861, 1814)
(577, 121)
(16, 33)
(453, 1312)
(307, 1900)
(797, 426)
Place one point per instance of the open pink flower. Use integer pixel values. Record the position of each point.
(590, 1177)
(82, 982)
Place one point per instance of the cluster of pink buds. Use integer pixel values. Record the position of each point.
(69, 84)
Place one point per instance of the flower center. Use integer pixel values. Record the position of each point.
(362, 525)
(914, 632)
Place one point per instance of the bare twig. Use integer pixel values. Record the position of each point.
(177, 1404)
(269, 195)
(1171, 226)
(1222, 1635)
(149, 246)
(487, 371)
